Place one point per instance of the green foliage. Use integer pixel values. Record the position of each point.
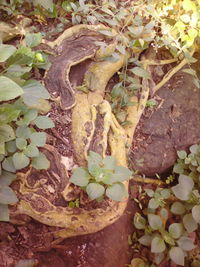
(102, 177)
(163, 235)
(19, 140)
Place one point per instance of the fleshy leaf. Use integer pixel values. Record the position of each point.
(145, 240)
(6, 133)
(157, 245)
(186, 243)
(196, 213)
(8, 165)
(116, 192)
(139, 221)
(177, 255)
(189, 223)
(109, 162)
(33, 39)
(6, 178)
(80, 177)
(184, 188)
(31, 151)
(21, 143)
(8, 89)
(38, 139)
(6, 51)
(20, 160)
(7, 195)
(95, 190)
(41, 162)
(178, 208)
(121, 174)
(44, 122)
(176, 230)
(154, 221)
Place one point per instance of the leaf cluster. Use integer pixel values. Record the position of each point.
(19, 119)
(102, 177)
(164, 236)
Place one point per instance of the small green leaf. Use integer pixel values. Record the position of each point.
(155, 221)
(177, 255)
(31, 151)
(20, 160)
(6, 178)
(186, 243)
(157, 245)
(38, 139)
(44, 122)
(33, 39)
(47, 4)
(196, 213)
(141, 72)
(6, 133)
(165, 193)
(80, 177)
(95, 190)
(176, 230)
(194, 149)
(168, 238)
(184, 188)
(8, 165)
(21, 143)
(178, 168)
(153, 203)
(33, 91)
(139, 221)
(4, 213)
(178, 208)
(29, 116)
(7, 195)
(116, 192)
(121, 174)
(6, 51)
(40, 162)
(189, 223)
(23, 132)
(149, 192)
(109, 162)
(11, 146)
(182, 154)
(145, 240)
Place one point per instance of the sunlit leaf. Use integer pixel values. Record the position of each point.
(176, 230)
(155, 221)
(80, 177)
(177, 255)
(186, 243)
(139, 221)
(6, 51)
(116, 192)
(20, 160)
(157, 245)
(95, 190)
(8, 89)
(196, 213)
(189, 223)
(178, 208)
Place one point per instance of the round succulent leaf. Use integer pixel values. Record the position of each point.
(6, 51)
(6, 178)
(44, 122)
(139, 221)
(33, 39)
(109, 162)
(194, 149)
(157, 244)
(95, 190)
(164, 213)
(186, 243)
(21, 143)
(6, 133)
(8, 89)
(178, 208)
(94, 158)
(41, 162)
(178, 168)
(196, 213)
(11, 146)
(7, 195)
(23, 132)
(116, 191)
(165, 193)
(182, 154)
(176, 230)
(145, 240)
(38, 139)
(31, 151)
(20, 160)
(121, 174)
(153, 203)
(184, 188)
(155, 221)
(189, 223)
(8, 165)
(177, 255)
(80, 177)
(29, 116)
(158, 257)
(149, 192)
(4, 213)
